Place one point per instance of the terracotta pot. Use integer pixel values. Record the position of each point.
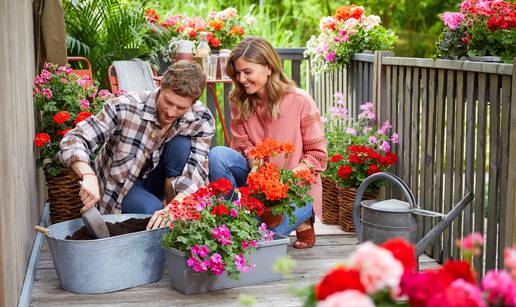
(270, 219)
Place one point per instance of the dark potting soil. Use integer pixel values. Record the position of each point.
(115, 229)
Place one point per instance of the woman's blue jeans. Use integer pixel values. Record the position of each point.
(147, 194)
(227, 163)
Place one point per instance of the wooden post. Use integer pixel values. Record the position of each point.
(510, 214)
(378, 83)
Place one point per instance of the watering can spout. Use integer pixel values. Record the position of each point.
(422, 244)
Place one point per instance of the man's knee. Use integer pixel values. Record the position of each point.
(217, 155)
(176, 155)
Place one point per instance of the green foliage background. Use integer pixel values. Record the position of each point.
(290, 23)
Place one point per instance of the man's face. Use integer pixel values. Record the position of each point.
(171, 106)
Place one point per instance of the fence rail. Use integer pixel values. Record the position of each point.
(456, 122)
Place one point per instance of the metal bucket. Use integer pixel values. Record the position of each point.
(108, 264)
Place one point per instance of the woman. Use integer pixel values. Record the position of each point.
(265, 104)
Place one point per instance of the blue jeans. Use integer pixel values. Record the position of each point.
(227, 163)
(146, 195)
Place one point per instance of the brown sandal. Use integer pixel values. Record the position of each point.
(305, 238)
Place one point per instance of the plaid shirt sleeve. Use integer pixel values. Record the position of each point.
(80, 142)
(195, 173)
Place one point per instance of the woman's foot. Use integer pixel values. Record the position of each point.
(305, 235)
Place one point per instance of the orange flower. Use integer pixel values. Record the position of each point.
(82, 116)
(269, 148)
(237, 30)
(349, 11)
(216, 24)
(306, 175)
(41, 139)
(61, 117)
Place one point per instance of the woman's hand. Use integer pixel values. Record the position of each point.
(89, 192)
(158, 219)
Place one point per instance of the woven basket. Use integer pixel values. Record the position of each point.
(330, 202)
(63, 195)
(346, 202)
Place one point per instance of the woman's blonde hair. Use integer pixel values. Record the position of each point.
(257, 50)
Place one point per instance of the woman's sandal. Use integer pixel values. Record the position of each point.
(305, 238)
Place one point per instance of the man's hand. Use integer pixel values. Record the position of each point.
(158, 219)
(89, 192)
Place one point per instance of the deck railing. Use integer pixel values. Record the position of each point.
(456, 122)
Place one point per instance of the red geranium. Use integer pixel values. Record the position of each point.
(61, 117)
(345, 171)
(41, 139)
(82, 116)
(221, 186)
(373, 169)
(337, 280)
(220, 210)
(336, 158)
(456, 269)
(403, 251)
(63, 132)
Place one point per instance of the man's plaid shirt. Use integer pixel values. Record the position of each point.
(128, 128)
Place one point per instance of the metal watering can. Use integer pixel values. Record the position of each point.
(392, 218)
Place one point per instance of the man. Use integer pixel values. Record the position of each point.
(155, 146)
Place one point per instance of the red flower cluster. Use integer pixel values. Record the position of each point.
(425, 288)
(250, 203)
(403, 251)
(151, 15)
(41, 139)
(220, 210)
(61, 117)
(82, 116)
(338, 279)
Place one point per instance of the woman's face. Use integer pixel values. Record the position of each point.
(252, 76)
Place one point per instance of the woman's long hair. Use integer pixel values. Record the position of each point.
(257, 50)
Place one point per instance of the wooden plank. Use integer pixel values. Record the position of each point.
(459, 159)
(407, 135)
(415, 133)
(469, 180)
(210, 103)
(480, 164)
(356, 85)
(510, 229)
(400, 120)
(394, 114)
(360, 84)
(494, 169)
(429, 154)
(425, 121)
(448, 166)
(439, 143)
(370, 81)
(504, 169)
(296, 71)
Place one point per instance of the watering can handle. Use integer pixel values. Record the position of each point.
(375, 177)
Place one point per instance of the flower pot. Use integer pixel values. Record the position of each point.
(187, 281)
(270, 219)
(108, 264)
(63, 195)
(491, 59)
(346, 201)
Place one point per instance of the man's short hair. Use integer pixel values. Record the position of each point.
(184, 78)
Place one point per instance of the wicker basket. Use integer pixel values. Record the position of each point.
(63, 195)
(330, 202)
(346, 202)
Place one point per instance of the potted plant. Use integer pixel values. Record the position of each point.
(210, 239)
(357, 148)
(280, 190)
(482, 30)
(62, 100)
(347, 32)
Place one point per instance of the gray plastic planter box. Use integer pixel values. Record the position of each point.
(109, 264)
(186, 280)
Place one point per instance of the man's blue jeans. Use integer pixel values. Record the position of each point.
(147, 194)
(227, 163)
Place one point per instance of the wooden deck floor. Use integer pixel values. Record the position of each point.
(311, 266)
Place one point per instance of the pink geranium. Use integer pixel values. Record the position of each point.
(452, 20)
(348, 298)
(459, 294)
(510, 260)
(378, 268)
(500, 288)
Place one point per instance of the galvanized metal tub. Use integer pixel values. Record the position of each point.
(109, 264)
(185, 280)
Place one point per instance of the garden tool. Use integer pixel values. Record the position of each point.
(387, 219)
(95, 224)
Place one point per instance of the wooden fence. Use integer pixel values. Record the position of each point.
(457, 129)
